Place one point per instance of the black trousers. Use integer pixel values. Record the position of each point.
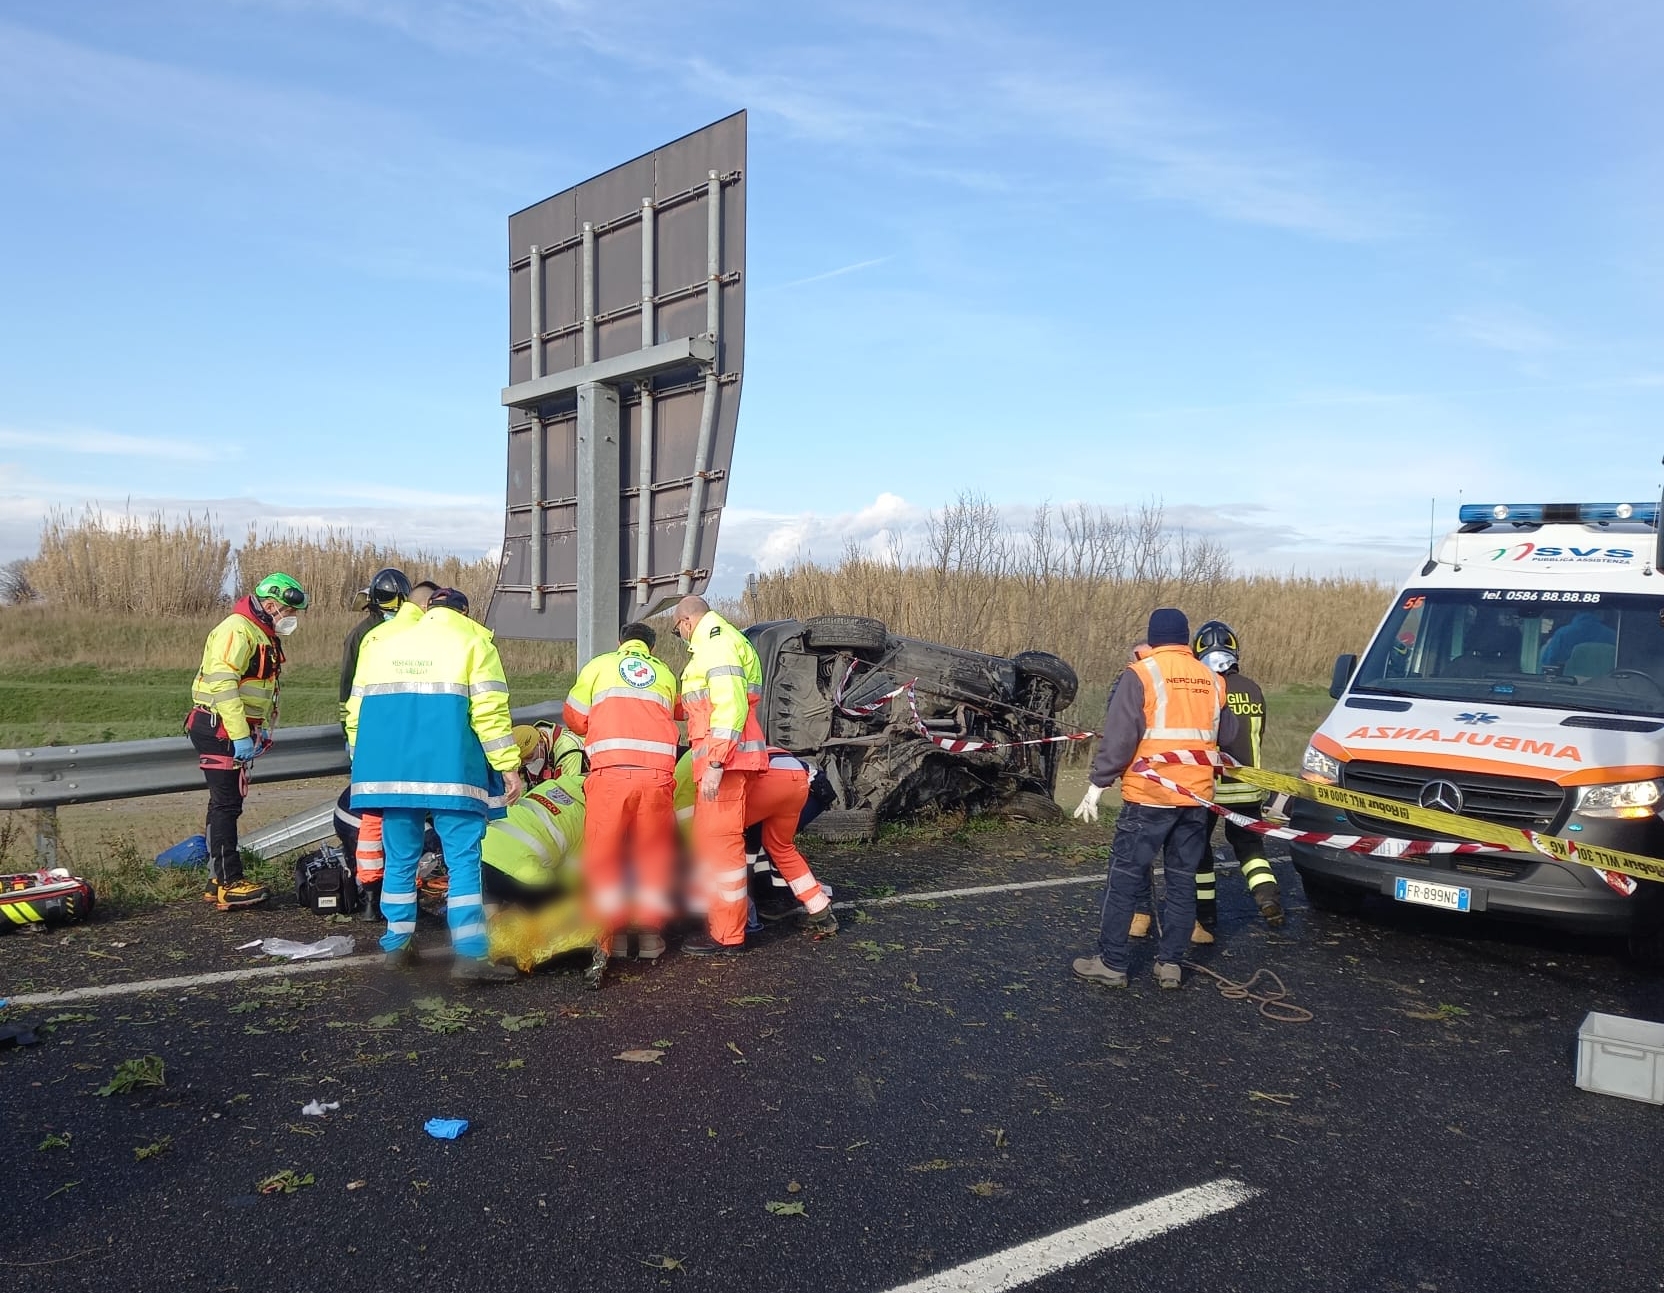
(227, 788)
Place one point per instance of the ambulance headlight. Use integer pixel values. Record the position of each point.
(1318, 766)
(1627, 799)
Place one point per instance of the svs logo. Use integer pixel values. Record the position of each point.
(1530, 551)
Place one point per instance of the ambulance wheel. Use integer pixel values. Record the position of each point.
(846, 633)
(1326, 895)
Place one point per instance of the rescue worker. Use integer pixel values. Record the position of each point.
(233, 712)
(1216, 647)
(387, 593)
(530, 855)
(1167, 701)
(776, 806)
(429, 726)
(548, 750)
(721, 685)
(623, 705)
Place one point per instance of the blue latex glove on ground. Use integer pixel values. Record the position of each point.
(445, 1128)
(242, 749)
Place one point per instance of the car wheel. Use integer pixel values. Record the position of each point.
(1049, 668)
(1326, 895)
(846, 633)
(844, 824)
(1027, 806)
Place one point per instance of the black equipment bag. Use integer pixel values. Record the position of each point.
(325, 882)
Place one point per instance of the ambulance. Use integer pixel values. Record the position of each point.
(1517, 678)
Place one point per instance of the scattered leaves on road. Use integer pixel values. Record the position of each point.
(984, 1189)
(284, 1182)
(131, 1075)
(665, 1262)
(1285, 1098)
(531, 1019)
(787, 1209)
(56, 1140)
(155, 1149)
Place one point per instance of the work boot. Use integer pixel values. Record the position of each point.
(779, 907)
(400, 958)
(621, 945)
(1140, 927)
(596, 970)
(369, 902)
(1270, 902)
(228, 895)
(1201, 935)
(649, 946)
(470, 969)
(822, 924)
(702, 944)
(1168, 975)
(1093, 970)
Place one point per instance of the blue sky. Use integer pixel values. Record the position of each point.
(1291, 269)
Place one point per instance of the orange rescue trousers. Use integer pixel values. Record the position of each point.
(371, 860)
(775, 800)
(719, 856)
(630, 847)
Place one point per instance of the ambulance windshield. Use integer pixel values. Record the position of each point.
(1542, 647)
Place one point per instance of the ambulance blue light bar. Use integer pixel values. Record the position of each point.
(1557, 513)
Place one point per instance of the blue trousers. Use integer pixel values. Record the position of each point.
(1141, 832)
(460, 834)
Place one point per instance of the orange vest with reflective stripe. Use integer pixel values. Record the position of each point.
(623, 705)
(1182, 700)
(721, 688)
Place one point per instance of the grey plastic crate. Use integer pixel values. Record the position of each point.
(1622, 1057)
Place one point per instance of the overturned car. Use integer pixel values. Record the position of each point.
(898, 725)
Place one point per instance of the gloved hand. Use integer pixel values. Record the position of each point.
(242, 749)
(710, 783)
(1088, 809)
(262, 743)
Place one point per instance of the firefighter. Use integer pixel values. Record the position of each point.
(721, 685)
(623, 705)
(1167, 701)
(388, 592)
(233, 712)
(777, 805)
(1216, 647)
(429, 724)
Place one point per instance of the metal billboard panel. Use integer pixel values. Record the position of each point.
(665, 333)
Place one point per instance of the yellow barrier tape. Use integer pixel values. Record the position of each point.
(1509, 837)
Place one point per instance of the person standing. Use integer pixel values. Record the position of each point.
(233, 712)
(1165, 702)
(623, 704)
(388, 592)
(428, 722)
(1216, 646)
(721, 686)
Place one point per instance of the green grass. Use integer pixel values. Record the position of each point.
(80, 703)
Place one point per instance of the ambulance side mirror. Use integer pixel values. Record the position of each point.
(1345, 667)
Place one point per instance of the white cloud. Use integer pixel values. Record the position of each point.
(113, 444)
(1506, 328)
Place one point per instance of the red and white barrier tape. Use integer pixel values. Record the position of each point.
(1375, 845)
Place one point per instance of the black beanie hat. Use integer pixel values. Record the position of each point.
(1168, 627)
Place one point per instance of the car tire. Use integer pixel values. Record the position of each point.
(846, 633)
(1049, 668)
(1029, 806)
(858, 824)
(1326, 895)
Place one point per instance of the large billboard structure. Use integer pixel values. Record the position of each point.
(626, 344)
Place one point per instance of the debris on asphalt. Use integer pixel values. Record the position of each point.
(285, 1182)
(640, 1057)
(445, 1128)
(787, 1209)
(17, 1035)
(319, 1110)
(324, 949)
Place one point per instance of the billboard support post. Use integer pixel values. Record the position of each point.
(598, 509)
(644, 451)
(707, 414)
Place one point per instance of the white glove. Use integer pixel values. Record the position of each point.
(1088, 809)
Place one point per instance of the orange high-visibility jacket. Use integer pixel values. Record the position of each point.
(721, 688)
(1182, 700)
(623, 706)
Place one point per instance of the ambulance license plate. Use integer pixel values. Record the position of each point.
(1449, 896)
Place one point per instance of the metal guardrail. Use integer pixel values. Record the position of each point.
(51, 776)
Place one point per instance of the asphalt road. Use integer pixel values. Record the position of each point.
(932, 1086)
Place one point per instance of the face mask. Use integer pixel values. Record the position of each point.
(287, 625)
(535, 767)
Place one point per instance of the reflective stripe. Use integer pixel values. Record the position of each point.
(725, 733)
(479, 688)
(411, 688)
(457, 901)
(469, 930)
(630, 743)
(754, 690)
(1180, 734)
(630, 693)
(819, 903)
(397, 898)
(697, 694)
(751, 747)
(577, 706)
(219, 677)
(540, 849)
(400, 926)
(496, 743)
(732, 895)
(683, 814)
(342, 815)
(726, 671)
(454, 789)
(735, 873)
(803, 884)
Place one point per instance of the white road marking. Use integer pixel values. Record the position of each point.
(184, 981)
(1028, 1262)
(893, 899)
